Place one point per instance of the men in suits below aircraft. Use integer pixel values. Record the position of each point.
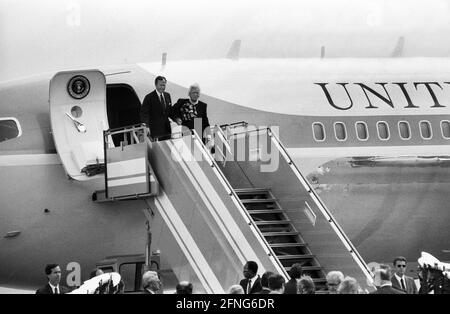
(265, 282)
(399, 279)
(382, 281)
(53, 273)
(191, 112)
(295, 273)
(251, 282)
(156, 109)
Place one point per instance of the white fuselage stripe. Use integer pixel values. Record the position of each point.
(295, 152)
(391, 151)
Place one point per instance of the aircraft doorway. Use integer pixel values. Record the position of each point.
(123, 106)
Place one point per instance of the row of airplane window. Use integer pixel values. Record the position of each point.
(383, 130)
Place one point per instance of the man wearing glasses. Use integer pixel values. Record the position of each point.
(334, 279)
(400, 280)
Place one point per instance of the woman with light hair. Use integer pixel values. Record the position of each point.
(306, 285)
(191, 112)
(334, 279)
(348, 286)
(151, 282)
(236, 289)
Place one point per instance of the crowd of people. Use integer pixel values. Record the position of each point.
(385, 281)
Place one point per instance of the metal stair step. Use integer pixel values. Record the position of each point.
(304, 256)
(306, 268)
(276, 234)
(272, 222)
(259, 200)
(282, 245)
(264, 211)
(251, 190)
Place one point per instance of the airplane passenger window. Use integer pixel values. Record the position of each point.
(445, 128)
(403, 129)
(9, 129)
(425, 130)
(128, 274)
(361, 131)
(383, 130)
(318, 131)
(340, 131)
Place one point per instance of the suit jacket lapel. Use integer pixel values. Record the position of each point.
(395, 282)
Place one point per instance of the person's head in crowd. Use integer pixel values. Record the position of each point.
(400, 265)
(250, 269)
(236, 289)
(53, 272)
(184, 287)
(160, 83)
(265, 279)
(306, 285)
(150, 281)
(349, 286)
(276, 283)
(382, 276)
(120, 287)
(385, 266)
(194, 92)
(96, 272)
(296, 271)
(334, 279)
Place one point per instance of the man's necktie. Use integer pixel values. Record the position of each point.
(162, 101)
(56, 291)
(249, 286)
(403, 284)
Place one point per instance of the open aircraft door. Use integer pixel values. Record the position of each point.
(78, 117)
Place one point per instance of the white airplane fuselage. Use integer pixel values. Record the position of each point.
(329, 112)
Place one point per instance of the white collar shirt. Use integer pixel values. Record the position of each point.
(53, 288)
(400, 280)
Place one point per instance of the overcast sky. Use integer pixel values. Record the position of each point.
(48, 35)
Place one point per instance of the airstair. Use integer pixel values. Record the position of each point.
(213, 210)
(289, 214)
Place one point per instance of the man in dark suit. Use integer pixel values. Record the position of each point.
(382, 281)
(191, 112)
(252, 283)
(295, 273)
(53, 273)
(156, 109)
(400, 280)
(265, 282)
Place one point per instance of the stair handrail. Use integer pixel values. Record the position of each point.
(231, 192)
(325, 211)
(322, 207)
